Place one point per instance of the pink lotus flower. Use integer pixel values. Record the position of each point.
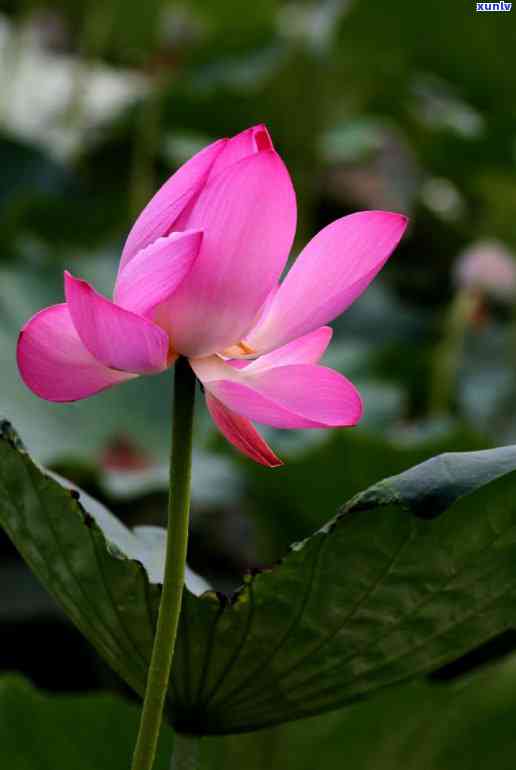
(199, 277)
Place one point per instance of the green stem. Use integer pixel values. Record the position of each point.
(186, 752)
(177, 540)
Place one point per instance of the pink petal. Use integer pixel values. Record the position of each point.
(248, 142)
(116, 337)
(238, 363)
(305, 350)
(154, 273)
(241, 433)
(175, 197)
(236, 351)
(54, 363)
(263, 311)
(248, 215)
(329, 274)
(158, 217)
(294, 396)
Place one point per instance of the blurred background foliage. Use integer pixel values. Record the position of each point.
(402, 106)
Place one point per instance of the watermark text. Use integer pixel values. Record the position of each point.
(494, 6)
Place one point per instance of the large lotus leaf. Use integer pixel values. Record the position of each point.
(376, 597)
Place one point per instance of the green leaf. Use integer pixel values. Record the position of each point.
(345, 463)
(40, 731)
(428, 489)
(419, 726)
(374, 598)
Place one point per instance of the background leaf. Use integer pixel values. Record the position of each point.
(419, 726)
(74, 732)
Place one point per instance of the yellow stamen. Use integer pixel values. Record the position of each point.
(239, 350)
